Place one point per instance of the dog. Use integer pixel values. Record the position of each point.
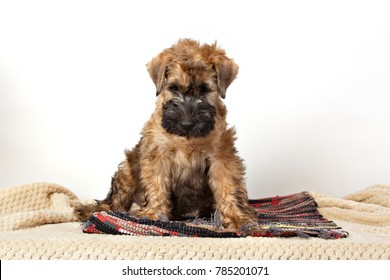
(185, 164)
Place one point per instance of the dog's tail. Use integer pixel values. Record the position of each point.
(83, 211)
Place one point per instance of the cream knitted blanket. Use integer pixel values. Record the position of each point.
(36, 222)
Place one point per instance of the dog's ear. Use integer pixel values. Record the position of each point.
(227, 71)
(157, 70)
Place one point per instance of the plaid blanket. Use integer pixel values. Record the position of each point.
(280, 216)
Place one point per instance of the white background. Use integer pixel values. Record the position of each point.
(310, 104)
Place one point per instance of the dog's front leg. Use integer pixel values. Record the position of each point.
(156, 189)
(230, 196)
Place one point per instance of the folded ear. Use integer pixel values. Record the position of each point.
(227, 71)
(157, 68)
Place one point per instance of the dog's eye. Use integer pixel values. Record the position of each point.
(204, 89)
(174, 88)
(174, 103)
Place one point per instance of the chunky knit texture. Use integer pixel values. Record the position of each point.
(35, 204)
(36, 222)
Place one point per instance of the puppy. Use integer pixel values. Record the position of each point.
(185, 164)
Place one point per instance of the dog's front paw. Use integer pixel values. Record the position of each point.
(250, 226)
(240, 223)
(148, 214)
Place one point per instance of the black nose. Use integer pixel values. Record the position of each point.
(187, 124)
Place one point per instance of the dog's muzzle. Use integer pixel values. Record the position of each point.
(188, 116)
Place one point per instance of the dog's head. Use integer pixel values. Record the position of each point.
(190, 81)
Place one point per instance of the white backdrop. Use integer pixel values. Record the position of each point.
(310, 103)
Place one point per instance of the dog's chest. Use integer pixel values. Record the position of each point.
(189, 169)
(190, 191)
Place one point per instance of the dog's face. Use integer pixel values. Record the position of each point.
(190, 81)
(188, 113)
